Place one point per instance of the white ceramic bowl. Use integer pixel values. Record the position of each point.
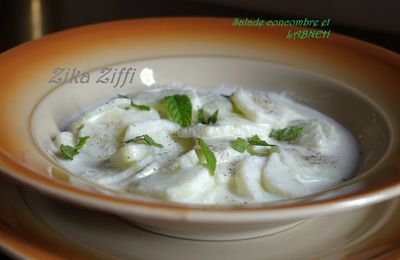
(353, 82)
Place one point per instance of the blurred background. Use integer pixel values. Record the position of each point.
(371, 20)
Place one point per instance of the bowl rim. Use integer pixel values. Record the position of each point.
(196, 213)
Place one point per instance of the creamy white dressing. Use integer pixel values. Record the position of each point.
(324, 155)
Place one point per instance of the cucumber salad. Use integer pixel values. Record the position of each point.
(215, 147)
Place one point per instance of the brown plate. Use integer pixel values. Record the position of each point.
(354, 82)
(37, 227)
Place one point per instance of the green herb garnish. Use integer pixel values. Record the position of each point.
(213, 118)
(81, 142)
(255, 140)
(211, 161)
(241, 144)
(288, 133)
(144, 139)
(123, 96)
(140, 107)
(179, 109)
(68, 152)
(201, 118)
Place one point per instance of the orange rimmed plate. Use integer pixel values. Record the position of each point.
(206, 52)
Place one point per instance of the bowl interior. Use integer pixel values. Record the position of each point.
(348, 107)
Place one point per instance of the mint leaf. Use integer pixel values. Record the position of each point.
(140, 107)
(135, 140)
(144, 139)
(81, 142)
(123, 96)
(179, 109)
(201, 118)
(211, 161)
(288, 133)
(240, 145)
(213, 118)
(255, 140)
(68, 152)
(149, 141)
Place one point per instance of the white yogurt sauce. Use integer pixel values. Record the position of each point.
(324, 155)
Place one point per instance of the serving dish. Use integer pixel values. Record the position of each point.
(351, 81)
(40, 227)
